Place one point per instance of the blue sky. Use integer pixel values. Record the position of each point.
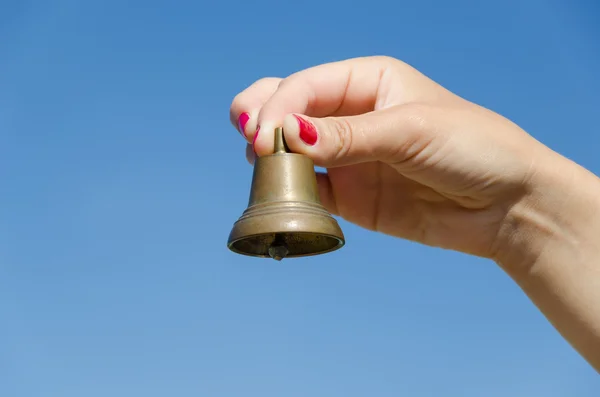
(121, 178)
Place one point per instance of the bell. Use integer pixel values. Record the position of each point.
(284, 217)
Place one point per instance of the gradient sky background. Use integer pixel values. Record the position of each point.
(121, 178)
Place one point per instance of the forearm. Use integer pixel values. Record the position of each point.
(552, 250)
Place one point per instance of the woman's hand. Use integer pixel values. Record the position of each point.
(405, 156)
(408, 158)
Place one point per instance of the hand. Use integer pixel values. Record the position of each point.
(405, 156)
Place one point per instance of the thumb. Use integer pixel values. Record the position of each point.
(391, 135)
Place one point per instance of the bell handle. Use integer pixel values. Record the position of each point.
(280, 144)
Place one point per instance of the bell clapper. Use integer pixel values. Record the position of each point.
(278, 250)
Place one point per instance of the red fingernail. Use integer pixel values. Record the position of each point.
(242, 121)
(255, 136)
(308, 132)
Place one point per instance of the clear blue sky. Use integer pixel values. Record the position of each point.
(121, 177)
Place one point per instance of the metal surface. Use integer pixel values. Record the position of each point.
(284, 217)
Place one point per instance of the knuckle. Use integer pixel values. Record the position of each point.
(396, 66)
(237, 99)
(385, 59)
(284, 82)
(250, 91)
(235, 109)
(342, 136)
(289, 82)
(389, 61)
(240, 101)
(267, 81)
(419, 132)
(417, 115)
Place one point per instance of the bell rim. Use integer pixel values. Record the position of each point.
(340, 239)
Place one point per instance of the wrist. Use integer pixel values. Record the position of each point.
(559, 216)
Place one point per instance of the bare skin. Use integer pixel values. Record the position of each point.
(408, 158)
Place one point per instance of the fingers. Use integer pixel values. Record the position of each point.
(246, 105)
(391, 135)
(356, 92)
(340, 88)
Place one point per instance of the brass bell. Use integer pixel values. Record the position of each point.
(284, 217)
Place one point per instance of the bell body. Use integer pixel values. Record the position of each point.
(284, 217)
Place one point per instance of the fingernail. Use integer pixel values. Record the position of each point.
(255, 136)
(308, 132)
(242, 121)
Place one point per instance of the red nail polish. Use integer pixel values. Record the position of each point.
(242, 121)
(308, 132)
(255, 136)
